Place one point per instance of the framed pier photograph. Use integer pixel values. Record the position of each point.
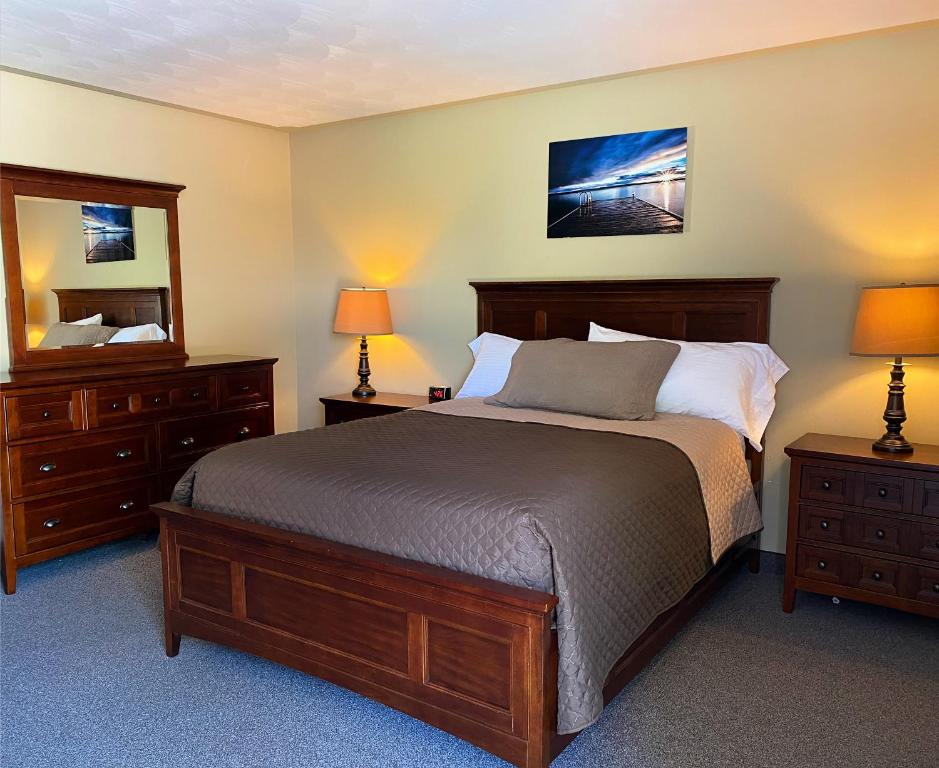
(628, 184)
(108, 232)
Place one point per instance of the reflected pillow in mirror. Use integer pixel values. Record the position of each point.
(68, 335)
(93, 320)
(148, 332)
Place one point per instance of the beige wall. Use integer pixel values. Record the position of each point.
(817, 164)
(234, 216)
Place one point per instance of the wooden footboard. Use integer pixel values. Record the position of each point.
(469, 655)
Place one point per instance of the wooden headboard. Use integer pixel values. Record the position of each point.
(120, 307)
(705, 309)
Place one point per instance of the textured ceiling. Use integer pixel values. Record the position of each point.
(300, 62)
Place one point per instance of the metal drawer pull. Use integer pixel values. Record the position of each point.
(124, 453)
(115, 406)
(125, 505)
(880, 533)
(935, 587)
(187, 441)
(195, 395)
(157, 400)
(822, 565)
(46, 414)
(882, 492)
(52, 522)
(877, 575)
(244, 431)
(245, 387)
(826, 485)
(48, 467)
(824, 525)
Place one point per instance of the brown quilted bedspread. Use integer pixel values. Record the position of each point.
(613, 524)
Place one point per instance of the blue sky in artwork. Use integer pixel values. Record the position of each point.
(103, 215)
(606, 161)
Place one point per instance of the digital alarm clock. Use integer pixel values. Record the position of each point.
(437, 394)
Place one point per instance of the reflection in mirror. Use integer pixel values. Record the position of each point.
(93, 273)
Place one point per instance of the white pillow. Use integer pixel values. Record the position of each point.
(93, 320)
(493, 355)
(148, 332)
(733, 382)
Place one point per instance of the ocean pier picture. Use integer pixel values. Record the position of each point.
(628, 184)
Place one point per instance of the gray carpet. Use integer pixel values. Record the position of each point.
(85, 683)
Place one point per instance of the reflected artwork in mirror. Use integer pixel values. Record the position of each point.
(92, 268)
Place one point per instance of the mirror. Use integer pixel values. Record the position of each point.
(92, 268)
(74, 254)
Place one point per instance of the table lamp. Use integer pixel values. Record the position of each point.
(897, 321)
(364, 312)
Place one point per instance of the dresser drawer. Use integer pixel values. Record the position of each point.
(892, 494)
(875, 575)
(184, 440)
(241, 388)
(61, 464)
(130, 403)
(923, 584)
(825, 565)
(924, 541)
(47, 413)
(827, 484)
(57, 520)
(929, 499)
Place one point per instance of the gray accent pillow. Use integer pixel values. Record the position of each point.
(588, 377)
(68, 335)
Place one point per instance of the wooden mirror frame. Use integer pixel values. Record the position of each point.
(65, 185)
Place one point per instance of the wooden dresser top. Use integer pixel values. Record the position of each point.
(859, 449)
(11, 381)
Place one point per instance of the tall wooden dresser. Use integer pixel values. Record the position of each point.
(85, 451)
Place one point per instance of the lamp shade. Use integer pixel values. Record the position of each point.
(897, 321)
(363, 311)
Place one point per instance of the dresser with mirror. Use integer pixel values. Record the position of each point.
(102, 410)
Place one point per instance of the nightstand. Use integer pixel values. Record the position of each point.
(863, 525)
(347, 407)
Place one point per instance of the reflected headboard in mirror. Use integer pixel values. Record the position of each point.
(75, 245)
(119, 307)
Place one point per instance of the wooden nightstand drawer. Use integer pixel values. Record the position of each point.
(892, 494)
(885, 534)
(825, 565)
(821, 524)
(929, 499)
(924, 541)
(924, 585)
(827, 484)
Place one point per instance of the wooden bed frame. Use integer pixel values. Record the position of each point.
(472, 656)
(119, 307)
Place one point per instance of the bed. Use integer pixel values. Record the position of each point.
(475, 656)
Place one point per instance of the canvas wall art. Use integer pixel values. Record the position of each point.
(628, 184)
(108, 232)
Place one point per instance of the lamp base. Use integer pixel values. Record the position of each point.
(364, 389)
(892, 440)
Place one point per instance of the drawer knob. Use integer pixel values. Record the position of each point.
(125, 505)
(52, 522)
(822, 565)
(195, 395)
(935, 588)
(826, 485)
(882, 492)
(187, 441)
(880, 533)
(124, 453)
(877, 575)
(824, 525)
(46, 414)
(115, 406)
(157, 400)
(245, 387)
(47, 467)
(244, 431)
